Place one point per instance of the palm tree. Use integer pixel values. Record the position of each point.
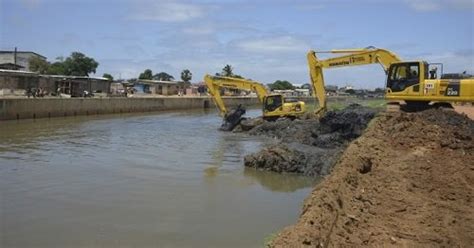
(227, 71)
(186, 76)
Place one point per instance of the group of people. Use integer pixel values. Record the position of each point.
(35, 92)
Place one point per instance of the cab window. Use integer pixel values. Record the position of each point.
(272, 103)
(402, 76)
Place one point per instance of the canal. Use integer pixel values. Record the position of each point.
(143, 180)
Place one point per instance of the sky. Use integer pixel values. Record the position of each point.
(262, 40)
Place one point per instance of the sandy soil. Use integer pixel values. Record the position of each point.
(408, 181)
(465, 109)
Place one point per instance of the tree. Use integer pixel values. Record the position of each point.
(379, 90)
(39, 65)
(186, 76)
(78, 64)
(108, 76)
(350, 91)
(57, 68)
(147, 74)
(163, 76)
(227, 71)
(281, 85)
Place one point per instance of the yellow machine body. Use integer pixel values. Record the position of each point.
(409, 81)
(273, 105)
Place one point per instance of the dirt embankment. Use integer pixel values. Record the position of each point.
(310, 147)
(407, 182)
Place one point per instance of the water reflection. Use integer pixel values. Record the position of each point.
(280, 182)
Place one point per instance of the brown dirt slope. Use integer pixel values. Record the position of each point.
(407, 182)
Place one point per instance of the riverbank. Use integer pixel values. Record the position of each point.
(34, 108)
(407, 181)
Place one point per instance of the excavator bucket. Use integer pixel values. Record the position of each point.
(233, 118)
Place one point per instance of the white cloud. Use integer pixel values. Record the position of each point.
(167, 11)
(454, 61)
(434, 5)
(424, 5)
(285, 43)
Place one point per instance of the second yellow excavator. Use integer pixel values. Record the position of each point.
(273, 105)
(419, 84)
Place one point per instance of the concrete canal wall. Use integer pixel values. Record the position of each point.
(30, 108)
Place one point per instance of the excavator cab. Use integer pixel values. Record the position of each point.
(404, 75)
(272, 103)
(275, 106)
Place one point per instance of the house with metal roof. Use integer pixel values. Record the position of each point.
(158, 87)
(17, 60)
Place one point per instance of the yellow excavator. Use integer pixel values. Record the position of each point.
(417, 83)
(273, 105)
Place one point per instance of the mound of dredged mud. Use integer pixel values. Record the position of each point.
(294, 158)
(408, 181)
(309, 147)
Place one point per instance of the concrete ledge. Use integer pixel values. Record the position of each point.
(24, 108)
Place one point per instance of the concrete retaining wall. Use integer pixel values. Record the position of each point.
(24, 108)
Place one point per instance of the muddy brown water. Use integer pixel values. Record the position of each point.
(141, 180)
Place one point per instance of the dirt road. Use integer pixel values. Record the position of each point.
(408, 181)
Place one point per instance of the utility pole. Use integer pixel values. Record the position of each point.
(14, 56)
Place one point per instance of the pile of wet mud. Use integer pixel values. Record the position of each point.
(407, 181)
(309, 147)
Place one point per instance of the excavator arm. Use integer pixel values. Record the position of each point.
(215, 83)
(352, 57)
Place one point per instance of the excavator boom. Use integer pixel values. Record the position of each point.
(353, 57)
(274, 106)
(215, 83)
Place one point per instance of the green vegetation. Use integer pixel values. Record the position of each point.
(163, 76)
(350, 91)
(228, 71)
(39, 65)
(268, 239)
(77, 64)
(281, 85)
(147, 74)
(186, 76)
(108, 76)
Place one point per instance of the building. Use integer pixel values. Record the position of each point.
(302, 92)
(17, 60)
(17, 83)
(76, 86)
(158, 87)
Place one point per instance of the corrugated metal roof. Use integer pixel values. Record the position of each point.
(156, 81)
(74, 77)
(52, 76)
(23, 52)
(18, 72)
